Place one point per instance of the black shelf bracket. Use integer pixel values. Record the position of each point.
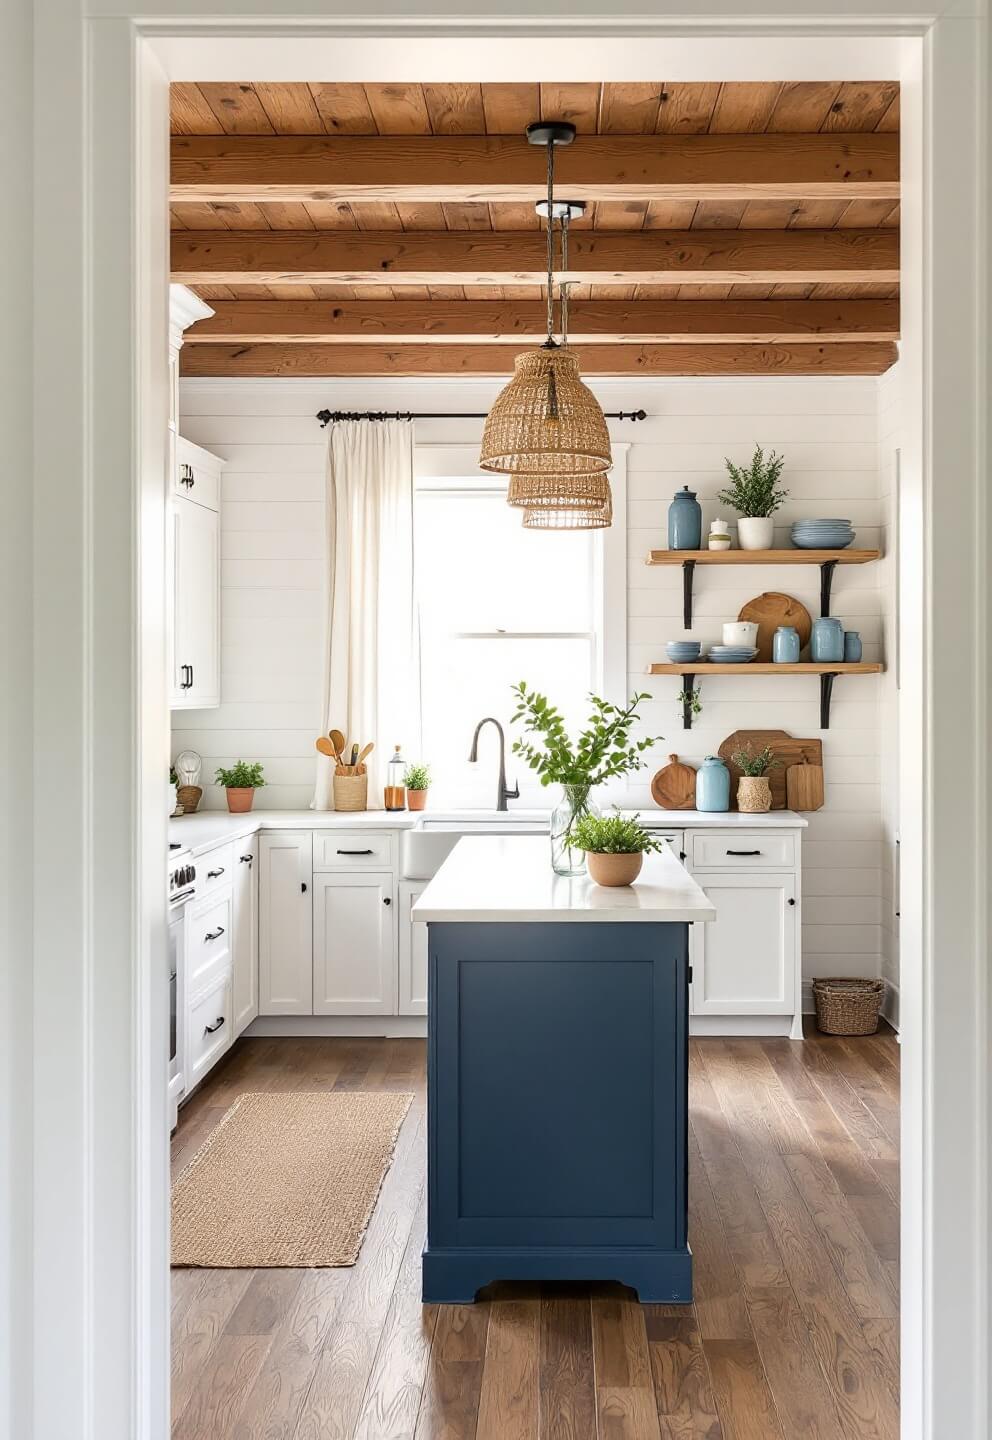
(826, 580)
(688, 569)
(826, 694)
(688, 685)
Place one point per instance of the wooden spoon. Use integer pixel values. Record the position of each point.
(326, 748)
(337, 740)
(367, 751)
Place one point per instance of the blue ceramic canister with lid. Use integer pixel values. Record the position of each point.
(826, 646)
(852, 647)
(713, 785)
(685, 521)
(785, 645)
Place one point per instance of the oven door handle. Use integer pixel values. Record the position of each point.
(183, 895)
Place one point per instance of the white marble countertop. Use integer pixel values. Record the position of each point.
(492, 878)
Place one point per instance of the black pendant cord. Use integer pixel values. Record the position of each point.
(335, 417)
(551, 244)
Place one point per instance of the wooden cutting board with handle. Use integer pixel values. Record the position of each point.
(783, 746)
(769, 611)
(804, 787)
(674, 786)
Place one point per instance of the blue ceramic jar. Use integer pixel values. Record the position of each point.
(713, 785)
(785, 645)
(685, 521)
(826, 646)
(852, 647)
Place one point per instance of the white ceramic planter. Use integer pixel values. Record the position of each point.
(755, 532)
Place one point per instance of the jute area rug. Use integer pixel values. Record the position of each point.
(286, 1180)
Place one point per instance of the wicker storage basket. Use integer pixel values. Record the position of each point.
(848, 1007)
(189, 798)
(351, 792)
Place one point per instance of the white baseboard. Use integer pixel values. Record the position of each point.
(390, 1027)
(740, 1025)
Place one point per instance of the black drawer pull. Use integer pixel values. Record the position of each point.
(743, 852)
(215, 1026)
(356, 852)
(247, 859)
(212, 874)
(214, 934)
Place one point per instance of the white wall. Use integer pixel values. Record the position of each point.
(891, 439)
(272, 574)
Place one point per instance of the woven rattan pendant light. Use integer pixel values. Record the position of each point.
(546, 429)
(571, 518)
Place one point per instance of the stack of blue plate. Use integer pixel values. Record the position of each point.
(822, 534)
(683, 652)
(730, 654)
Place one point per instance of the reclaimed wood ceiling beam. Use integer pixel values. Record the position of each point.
(858, 358)
(465, 322)
(481, 168)
(659, 257)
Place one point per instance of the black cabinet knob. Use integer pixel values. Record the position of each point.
(303, 887)
(792, 900)
(387, 901)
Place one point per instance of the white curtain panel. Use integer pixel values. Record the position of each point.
(370, 679)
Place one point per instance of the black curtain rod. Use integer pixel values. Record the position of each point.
(328, 417)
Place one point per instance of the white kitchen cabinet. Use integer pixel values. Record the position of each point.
(354, 944)
(194, 576)
(245, 941)
(744, 962)
(412, 952)
(285, 923)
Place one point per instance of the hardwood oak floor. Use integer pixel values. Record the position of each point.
(794, 1330)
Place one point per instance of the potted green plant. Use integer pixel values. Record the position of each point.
(614, 847)
(173, 791)
(417, 779)
(240, 782)
(603, 751)
(754, 793)
(755, 494)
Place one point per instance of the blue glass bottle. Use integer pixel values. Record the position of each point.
(713, 785)
(685, 521)
(785, 645)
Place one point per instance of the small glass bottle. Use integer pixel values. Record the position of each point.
(395, 794)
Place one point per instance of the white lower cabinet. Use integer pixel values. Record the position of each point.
(744, 962)
(413, 952)
(244, 944)
(209, 1026)
(354, 943)
(285, 931)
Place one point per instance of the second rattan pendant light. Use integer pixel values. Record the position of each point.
(546, 429)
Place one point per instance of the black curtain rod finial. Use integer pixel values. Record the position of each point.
(331, 417)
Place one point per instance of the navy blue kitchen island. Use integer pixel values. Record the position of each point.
(557, 1073)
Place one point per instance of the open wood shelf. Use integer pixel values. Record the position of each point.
(827, 673)
(828, 560)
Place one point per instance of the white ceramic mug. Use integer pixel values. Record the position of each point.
(740, 632)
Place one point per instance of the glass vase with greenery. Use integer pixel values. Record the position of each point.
(603, 751)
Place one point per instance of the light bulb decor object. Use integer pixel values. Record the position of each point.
(546, 429)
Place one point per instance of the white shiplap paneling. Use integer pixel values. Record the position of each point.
(272, 575)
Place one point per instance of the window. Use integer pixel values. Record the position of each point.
(498, 604)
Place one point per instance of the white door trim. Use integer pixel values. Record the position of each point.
(94, 1154)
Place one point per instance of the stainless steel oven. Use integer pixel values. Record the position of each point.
(182, 888)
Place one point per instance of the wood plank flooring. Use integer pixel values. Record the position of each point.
(794, 1332)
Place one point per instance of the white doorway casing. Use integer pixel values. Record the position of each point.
(83, 1165)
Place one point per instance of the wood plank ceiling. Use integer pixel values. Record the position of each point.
(729, 228)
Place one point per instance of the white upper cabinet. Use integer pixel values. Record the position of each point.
(285, 935)
(245, 943)
(194, 571)
(354, 944)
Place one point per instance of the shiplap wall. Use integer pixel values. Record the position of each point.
(272, 577)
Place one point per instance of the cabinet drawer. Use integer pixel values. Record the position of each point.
(208, 938)
(353, 850)
(196, 475)
(210, 1030)
(214, 870)
(742, 850)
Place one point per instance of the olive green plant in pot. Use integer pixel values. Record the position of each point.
(754, 492)
(417, 779)
(614, 845)
(603, 751)
(240, 782)
(754, 793)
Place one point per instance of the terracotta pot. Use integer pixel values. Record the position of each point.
(614, 869)
(240, 800)
(416, 799)
(754, 794)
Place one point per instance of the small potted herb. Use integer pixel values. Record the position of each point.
(173, 791)
(241, 782)
(754, 793)
(755, 494)
(614, 846)
(417, 779)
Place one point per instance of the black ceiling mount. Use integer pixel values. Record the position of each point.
(551, 132)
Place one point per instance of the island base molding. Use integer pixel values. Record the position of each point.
(454, 1277)
(787, 1027)
(387, 1027)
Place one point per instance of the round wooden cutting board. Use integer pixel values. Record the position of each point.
(674, 786)
(771, 610)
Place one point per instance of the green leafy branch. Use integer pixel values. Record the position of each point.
(603, 750)
(755, 492)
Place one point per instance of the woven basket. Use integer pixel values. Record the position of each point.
(546, 422)
(351, 792)
(848, 1007)
(189, 798)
